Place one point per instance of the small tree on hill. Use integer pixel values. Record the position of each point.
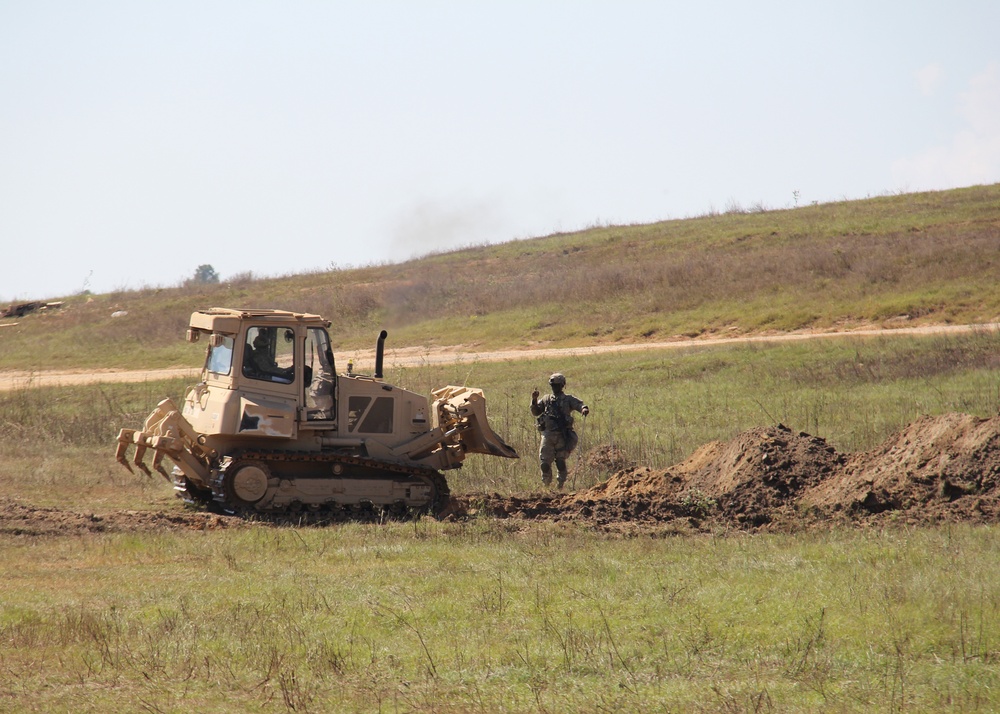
(204, 275)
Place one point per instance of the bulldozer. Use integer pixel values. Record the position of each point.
(272, 428)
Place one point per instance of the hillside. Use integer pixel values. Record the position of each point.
(928, 258)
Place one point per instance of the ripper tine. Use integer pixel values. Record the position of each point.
(158, 465)
(125, 437)
(140, 452)
(120, 455)
(163, 472)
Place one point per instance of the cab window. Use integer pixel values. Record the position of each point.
(220, 359)
(269, 354)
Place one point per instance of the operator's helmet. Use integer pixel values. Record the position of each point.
(558, 378)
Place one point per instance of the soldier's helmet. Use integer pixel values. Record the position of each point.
(558, 378)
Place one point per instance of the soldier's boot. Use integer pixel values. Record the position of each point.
(546, 473)
(561, 468)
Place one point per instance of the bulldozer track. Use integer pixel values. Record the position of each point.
(221, 498)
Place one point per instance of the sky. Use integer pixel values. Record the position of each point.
(140, 140)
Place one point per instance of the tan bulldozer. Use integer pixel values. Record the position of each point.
(273, 428)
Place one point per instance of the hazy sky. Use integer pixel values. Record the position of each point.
(139, 140)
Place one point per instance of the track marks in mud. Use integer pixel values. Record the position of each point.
(941, 469)
(937, 469)
(18, 518)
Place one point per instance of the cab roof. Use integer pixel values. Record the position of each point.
(228, 320)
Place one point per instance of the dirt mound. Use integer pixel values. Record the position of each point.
(758, 474)
(944, 468)
(937, 469)
(607, 459)
(20, 519)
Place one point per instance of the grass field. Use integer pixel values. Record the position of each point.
(657, 407)
(487, 616)
(492, 615)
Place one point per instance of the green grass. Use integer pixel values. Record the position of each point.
(481, 616)
(657, 407)
(913, 259)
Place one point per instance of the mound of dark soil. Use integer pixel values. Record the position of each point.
(758, 475)
(944, 468)
(937, 469)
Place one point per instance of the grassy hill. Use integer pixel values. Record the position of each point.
(904, 259)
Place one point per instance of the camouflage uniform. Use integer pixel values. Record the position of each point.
(555, 421)
(258, 363)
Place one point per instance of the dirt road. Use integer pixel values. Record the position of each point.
(417, 356)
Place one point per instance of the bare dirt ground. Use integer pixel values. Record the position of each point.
(18, 518)
(459, 354)
(937, 470)
(941, 469)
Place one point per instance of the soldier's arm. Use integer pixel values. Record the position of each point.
(536, 408)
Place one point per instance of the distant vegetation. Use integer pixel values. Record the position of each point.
(906, 259)
(204, 274)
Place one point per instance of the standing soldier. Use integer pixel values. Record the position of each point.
(555, 421)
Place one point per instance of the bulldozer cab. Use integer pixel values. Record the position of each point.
(301, 356)
(319, 376)
(284, 358)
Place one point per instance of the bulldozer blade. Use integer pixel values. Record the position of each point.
(466, 407)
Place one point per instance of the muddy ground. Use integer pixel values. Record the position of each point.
(17, 518)
(937, 470)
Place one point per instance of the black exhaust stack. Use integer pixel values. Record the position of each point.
(379, 350)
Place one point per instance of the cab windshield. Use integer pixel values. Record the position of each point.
(220, 359)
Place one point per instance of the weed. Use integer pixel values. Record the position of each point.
(697, 504)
